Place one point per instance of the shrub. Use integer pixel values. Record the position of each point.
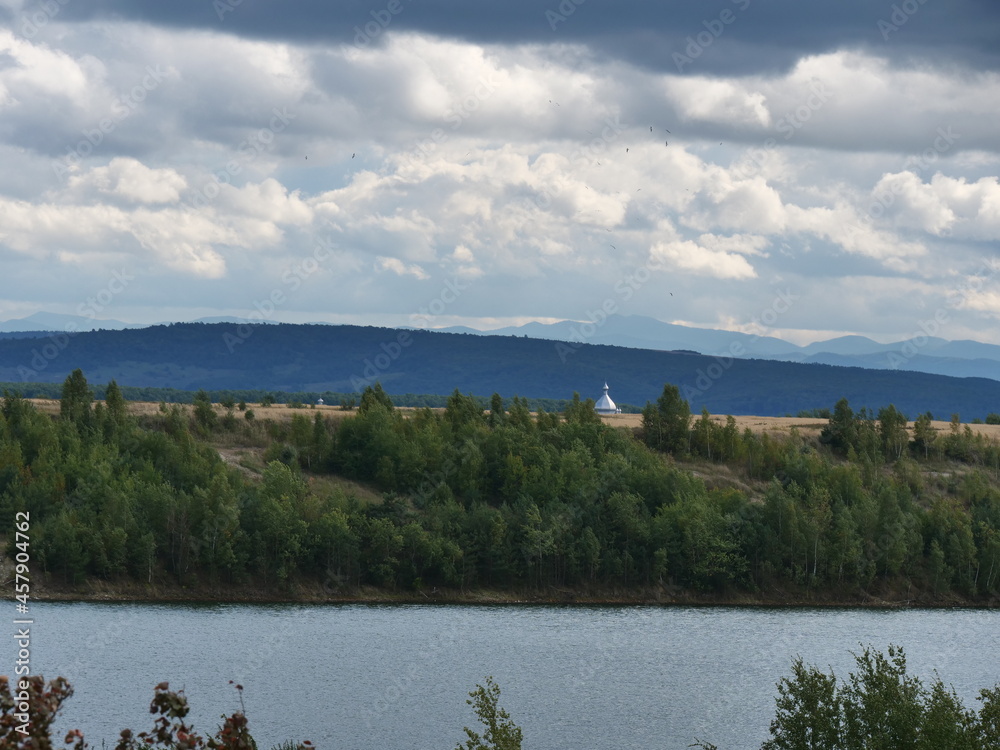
(27, 715)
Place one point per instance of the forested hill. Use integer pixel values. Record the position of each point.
(318, 358)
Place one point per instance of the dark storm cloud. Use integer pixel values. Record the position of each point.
(725, 36)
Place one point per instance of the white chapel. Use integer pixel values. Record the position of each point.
(605, 405)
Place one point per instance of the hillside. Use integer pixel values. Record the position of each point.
(320, 358)
(135, 500)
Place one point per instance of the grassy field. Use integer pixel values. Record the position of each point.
(807, 427)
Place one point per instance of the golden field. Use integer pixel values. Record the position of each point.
(807, 427)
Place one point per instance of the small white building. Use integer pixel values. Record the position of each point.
(605, 405)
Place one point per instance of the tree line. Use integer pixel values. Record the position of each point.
(499, 499)
(297, 399)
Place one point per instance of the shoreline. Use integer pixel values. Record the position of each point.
(153, 594)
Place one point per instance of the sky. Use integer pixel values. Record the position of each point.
(801, 170)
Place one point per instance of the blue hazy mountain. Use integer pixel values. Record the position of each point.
(322, 359)
(41, 323)
(48, 322)
(640, 332)
(927, 354)
(933, 355)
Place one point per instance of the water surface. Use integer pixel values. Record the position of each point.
(397, 676)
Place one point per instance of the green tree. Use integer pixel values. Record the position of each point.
(501, 732)
(667, 425)
(204, 413)
(116, 404)
(924, 434)
(76, 398)
(892, 432)
(372, 396)
(497, 414)
(882, 703)
(879, 707)
(581, 412)
(462, 411)
(841, 432)
(706, 435)
(809, 713)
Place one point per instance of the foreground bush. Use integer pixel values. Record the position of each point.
(878, 707)
(28, 710)
(501, 732)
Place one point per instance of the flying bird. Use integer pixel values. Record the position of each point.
(352, 155)
(667, 130)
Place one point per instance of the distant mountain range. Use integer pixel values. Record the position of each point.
(315, 359)
(45, 323)
(931, 355)
(961, 359)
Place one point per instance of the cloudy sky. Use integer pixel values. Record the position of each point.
(798, 169)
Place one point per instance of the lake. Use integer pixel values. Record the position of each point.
(397, 676)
